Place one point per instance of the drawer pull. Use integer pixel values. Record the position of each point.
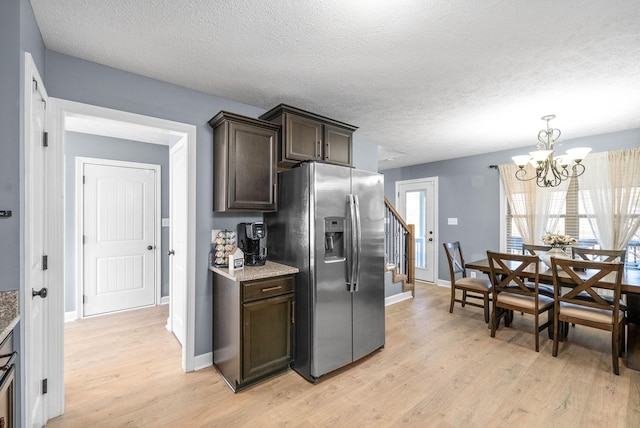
(277, 287)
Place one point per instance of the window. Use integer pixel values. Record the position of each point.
(572, 220)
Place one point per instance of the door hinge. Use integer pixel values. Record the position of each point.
(84, 179)
(84, 239)
(35, 85)
(45, 262)
(44, 386)
(84, 299)
(45, 139)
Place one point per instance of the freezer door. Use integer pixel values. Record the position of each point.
(332, 328)
(288, 242)
(368, 300)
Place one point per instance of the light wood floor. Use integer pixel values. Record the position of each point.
(437, 369)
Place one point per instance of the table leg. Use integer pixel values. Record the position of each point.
(633, 331)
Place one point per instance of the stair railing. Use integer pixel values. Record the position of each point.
(399, 242)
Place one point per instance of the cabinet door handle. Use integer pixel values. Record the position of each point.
(318, 149)
(293, 312)
(327, 148)
(277, 287)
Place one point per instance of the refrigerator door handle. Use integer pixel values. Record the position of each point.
(352, 251)
(358, 246)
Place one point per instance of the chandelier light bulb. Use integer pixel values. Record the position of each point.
(521, 160)
(578, 153)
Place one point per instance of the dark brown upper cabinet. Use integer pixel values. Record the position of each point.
(308, 136)
(245, 154)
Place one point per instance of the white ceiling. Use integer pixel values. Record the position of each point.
(435, 79)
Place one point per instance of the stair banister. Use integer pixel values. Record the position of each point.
(400, 243)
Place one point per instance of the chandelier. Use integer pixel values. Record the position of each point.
(550, 170)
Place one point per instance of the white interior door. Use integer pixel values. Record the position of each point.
(417, 205)
(178, 240)
(119, 234)
(36, 278)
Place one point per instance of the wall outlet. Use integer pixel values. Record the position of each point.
(473, 274)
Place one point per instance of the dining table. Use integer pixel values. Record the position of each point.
(630, 286)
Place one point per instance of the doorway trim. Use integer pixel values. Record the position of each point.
(80, 162)
(58, 115)
(433, 180)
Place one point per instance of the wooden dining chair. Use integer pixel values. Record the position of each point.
(573, 280)
(539, 251)
(512, 293)
(535, 250)
(597, 255)
(471, 288)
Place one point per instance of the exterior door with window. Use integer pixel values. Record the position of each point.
(417, 205)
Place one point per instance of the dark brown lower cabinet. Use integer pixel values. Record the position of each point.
(252, 328)
(7, 382)
(266, 345)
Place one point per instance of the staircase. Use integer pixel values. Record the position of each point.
(399, 256)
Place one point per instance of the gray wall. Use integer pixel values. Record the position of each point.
(469, 190)
(93, 146)
(18, 32)
(78, 80)
(10, 144)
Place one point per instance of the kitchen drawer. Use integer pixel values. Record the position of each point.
(264, 288)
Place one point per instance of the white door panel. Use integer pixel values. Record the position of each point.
(35, 237)
(119, 238)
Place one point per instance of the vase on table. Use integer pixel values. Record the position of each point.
(556, 252)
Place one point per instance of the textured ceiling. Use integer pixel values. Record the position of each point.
(435, 79)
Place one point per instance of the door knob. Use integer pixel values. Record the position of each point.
(149, 247)
(42, 293)
(171, 253)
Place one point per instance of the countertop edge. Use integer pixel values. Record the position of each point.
(9, 312)
(250, 273)
(12, 324)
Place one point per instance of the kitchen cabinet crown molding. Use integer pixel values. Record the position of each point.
(285, 108)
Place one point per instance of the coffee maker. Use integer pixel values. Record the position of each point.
(252, 240)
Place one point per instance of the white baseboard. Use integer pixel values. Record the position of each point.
(203, 361)
(443, 283)
(396, 298)
(70, 316)
(164, 300)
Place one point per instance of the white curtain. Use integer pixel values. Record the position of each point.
(535, 210)
(610, 194)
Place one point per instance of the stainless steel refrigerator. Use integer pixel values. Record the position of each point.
(330, 225)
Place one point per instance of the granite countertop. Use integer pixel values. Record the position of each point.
(9, 313)
(249, 273)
